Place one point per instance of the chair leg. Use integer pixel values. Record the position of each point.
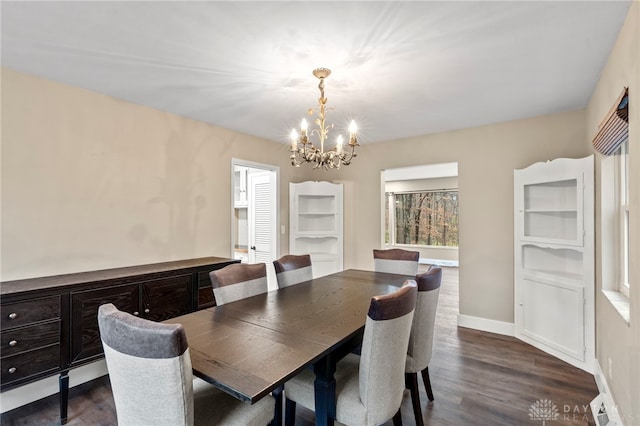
(411, 383)
(427, 383)
(289, 412)
(397, 419)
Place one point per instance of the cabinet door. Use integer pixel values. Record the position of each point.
(166, 297)
(553, 316)
(85, 335)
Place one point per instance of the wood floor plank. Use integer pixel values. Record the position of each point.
(478, 378)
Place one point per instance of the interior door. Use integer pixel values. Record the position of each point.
(262, 217)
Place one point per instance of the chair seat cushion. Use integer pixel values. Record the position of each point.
(349, 408)
(214, 407)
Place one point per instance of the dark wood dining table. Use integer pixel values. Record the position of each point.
(251, 347)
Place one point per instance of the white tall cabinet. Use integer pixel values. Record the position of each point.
(315, 224)
(554, 259)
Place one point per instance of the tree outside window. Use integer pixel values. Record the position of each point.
(427, 218)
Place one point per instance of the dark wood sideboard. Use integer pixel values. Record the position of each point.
(49, 325)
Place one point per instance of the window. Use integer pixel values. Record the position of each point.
(622, 216)
(426, 218)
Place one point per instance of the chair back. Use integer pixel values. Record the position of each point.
(238, 281)
(396, 261)
(384, 344)
(424, 319)
(149, 369)
(292, 269)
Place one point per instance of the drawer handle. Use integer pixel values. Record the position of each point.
(13, 315)
(146, 311)
(13, 343)
(136, 313)
(12, 370)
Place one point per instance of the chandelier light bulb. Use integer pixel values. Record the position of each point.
(339, 144)
(353, 127)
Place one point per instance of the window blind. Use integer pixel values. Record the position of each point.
(614, 129)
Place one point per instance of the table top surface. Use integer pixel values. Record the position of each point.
(250, 347)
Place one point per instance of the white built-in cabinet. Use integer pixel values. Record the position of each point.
(240, 187)
(240, 219)
(315, 224)
(554, 258)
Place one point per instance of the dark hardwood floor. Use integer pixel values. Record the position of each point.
(478, 378)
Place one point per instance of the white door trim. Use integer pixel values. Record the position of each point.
(254, 165)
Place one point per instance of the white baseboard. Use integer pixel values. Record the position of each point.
(31, 392)
(607, 397)
(484, 324)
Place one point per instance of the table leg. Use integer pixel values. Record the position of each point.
(64, 396)
(277, 416)
(325, 391)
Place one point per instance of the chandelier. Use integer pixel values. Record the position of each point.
(304, 151)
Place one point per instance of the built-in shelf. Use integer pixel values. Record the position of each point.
(554, 260)
(316, 224)
(560, 261)
(550, 210)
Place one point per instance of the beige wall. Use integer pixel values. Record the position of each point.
(91, 182)
(615, 339)
(486, 158)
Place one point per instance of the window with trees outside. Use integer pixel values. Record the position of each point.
(622, 225)
(426, 218)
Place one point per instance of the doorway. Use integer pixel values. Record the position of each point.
(420, 211)
(254, 214)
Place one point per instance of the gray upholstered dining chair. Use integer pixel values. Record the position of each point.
(152, 382)
(369, 388)
(238, 281)
(396, 261)
(421, 340)
(293, 269)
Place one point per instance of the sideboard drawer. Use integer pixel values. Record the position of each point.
(30, 311)
(24, 339)
(23, 365)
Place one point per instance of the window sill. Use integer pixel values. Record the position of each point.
(620, 303)
(423, 246)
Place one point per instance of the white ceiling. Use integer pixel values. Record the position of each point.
(399, 68)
